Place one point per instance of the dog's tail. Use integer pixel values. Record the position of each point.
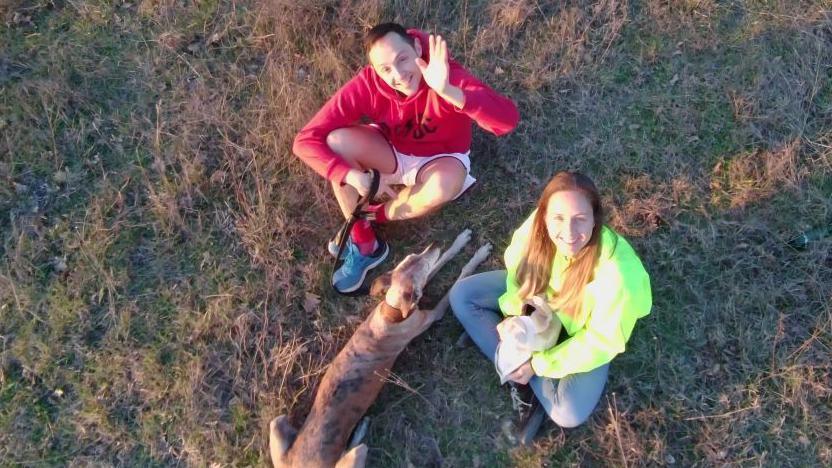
(281, 437)
(355, 458)
(359, 433)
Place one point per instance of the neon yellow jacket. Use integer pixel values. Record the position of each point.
(617, 296)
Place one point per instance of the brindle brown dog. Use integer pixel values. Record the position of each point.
(354, 379)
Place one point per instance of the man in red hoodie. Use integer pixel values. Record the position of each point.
(408, 114)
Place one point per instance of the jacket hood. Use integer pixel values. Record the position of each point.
(390, 93)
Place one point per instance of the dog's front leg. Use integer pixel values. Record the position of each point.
(459, 243)
(439, 310)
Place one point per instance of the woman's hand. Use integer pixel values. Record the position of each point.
(522, 374)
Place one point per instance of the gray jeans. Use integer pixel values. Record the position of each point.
(568, 401)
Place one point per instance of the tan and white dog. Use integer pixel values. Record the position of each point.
(522, 335)
(354, 379)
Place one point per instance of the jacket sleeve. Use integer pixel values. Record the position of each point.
(621, 297)
(489, 109)
(510, 302)
(343, 109)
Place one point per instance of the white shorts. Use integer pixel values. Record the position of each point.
(408, 168)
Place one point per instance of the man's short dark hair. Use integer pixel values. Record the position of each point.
(380, 30)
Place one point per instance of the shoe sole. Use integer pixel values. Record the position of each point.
(535, 421)
(366, 270)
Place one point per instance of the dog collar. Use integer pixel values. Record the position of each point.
(390, 313)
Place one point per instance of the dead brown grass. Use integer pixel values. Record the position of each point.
(164, 291)
(560, 45)
(752, 177)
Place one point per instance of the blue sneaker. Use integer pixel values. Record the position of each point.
(350, 276)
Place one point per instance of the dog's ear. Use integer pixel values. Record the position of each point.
(409, 302)
(540, 319)
(381, 284)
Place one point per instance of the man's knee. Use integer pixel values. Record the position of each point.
(445, 177)
(362, 147)
(337, 140)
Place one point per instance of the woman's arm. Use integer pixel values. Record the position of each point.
(510, 302)
(622, 295)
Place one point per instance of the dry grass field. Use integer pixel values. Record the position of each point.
(164, 290)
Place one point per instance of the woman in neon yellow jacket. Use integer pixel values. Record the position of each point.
(592, 280)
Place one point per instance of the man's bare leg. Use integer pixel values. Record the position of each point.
(362, 148)
(438, 183)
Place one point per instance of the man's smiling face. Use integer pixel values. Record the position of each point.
(394, 60)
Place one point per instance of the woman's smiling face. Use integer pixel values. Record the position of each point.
(569, 221)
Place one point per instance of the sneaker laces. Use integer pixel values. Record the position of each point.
(351, 256)
(517, 403)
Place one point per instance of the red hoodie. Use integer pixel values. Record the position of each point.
(423, 124)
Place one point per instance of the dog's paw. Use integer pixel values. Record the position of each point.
(482, 253)
(461, 240)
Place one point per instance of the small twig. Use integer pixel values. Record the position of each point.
(784, 369)
(808, 342)
(263, 333)
(615, 426)
(723, 415)
(51, 132)
(157, 139)
(14, 293)
(181, 57)
(396, 380)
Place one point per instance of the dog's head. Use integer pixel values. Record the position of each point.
(402, 287)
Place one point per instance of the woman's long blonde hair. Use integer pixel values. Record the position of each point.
(535, 268)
